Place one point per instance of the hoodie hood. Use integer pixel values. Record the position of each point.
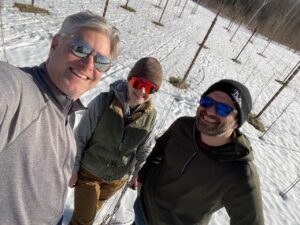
(238, 150)
(120, 89)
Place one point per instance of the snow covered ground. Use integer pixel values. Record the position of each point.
(26, 40)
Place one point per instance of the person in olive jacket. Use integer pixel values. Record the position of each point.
(114, 138)
(203, 163)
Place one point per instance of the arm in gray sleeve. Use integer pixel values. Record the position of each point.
(87, 126)
(4, 123)
(4, 94)
(143, 151)
(20, 101)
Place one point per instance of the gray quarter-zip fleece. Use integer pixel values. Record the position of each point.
(37, 147)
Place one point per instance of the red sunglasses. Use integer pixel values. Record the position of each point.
(138, 83)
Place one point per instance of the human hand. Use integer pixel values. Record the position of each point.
(73, 180)
(133, 183)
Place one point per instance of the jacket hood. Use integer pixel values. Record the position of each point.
(120, 89)
(238, 150)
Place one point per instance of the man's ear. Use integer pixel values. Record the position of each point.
(55, 41)
(235, 125)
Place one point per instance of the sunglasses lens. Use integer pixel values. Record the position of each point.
(206, 102)
(138, 83)
(81, 49)
(221, 108)
(152, 90)
(102, 63)
(102, 67)
(101, 59)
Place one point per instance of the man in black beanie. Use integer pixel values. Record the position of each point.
(202, 164)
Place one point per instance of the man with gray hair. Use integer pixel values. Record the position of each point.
(37, 148)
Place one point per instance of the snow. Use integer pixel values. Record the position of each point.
(26, 41)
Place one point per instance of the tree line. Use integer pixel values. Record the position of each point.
(278, 20)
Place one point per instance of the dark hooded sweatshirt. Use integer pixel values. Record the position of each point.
(185, 181)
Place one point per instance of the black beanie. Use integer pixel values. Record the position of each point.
(239, 94)
(148, 68)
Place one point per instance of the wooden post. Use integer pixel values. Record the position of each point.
(236, 58)
(32, 2)
(280, 90)
(177, 3)
(238, 27)
(230, 24)
(126, 3)
(163, 11)
(183, 8)
(292, 185)
(200, 47)
(159, 5)
(267, 45)
(262, 136)
(105, 8)
(289, 74)
(196, 6)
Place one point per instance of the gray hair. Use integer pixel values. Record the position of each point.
(88, 19)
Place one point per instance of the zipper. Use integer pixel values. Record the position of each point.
(188, 162)
(193, 156)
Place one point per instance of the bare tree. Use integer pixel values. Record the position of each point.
(278, 20)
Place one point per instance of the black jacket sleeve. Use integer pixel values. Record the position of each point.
(243, 201)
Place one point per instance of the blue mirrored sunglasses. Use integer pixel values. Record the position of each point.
(82, 50)
(222, 109)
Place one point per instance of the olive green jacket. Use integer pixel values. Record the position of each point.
(185, 181)
(111, 140)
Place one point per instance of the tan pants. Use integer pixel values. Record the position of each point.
(90, 195)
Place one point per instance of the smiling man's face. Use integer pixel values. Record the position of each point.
(210, 123)
(72, 75)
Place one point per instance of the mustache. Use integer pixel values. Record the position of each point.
(203, 112)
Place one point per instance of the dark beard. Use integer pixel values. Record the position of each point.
(213, 129)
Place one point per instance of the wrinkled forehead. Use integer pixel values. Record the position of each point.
(97, 40)
(81, 31)
(222, 97)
